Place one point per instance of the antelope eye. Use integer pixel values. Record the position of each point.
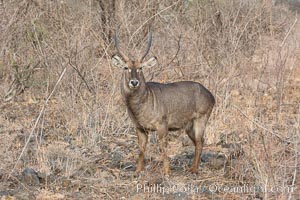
(126, 68)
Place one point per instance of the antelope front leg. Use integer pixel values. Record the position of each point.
(142, 140)
(162, 132)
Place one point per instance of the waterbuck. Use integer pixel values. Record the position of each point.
(162, 107)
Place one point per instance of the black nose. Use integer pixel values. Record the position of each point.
(134, 82)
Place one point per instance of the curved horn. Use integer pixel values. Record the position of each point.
(117, 47)
(149, 45)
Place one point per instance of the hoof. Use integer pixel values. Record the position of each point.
(139, 168)
(193, 170)
(166, 177)
(138, 173)
(167, 174)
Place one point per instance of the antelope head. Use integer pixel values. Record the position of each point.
(132, 69)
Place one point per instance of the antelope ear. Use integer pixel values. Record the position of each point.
(118, 62)
(150, 63)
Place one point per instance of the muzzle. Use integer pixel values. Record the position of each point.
(134, 83)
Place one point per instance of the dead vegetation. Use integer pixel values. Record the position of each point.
(64, 132)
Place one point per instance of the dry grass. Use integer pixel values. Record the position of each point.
(62, 114)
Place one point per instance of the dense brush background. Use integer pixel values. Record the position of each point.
(65, 133)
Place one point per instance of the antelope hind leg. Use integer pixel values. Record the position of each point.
(196, 133)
